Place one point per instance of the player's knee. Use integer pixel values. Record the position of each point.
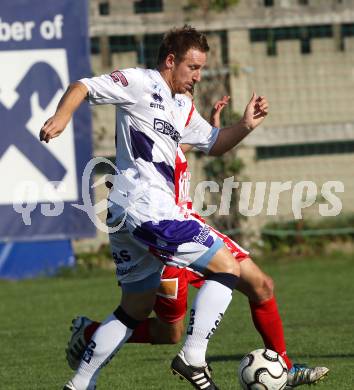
(232, 267)
(263, 289)
(269, 285)
(224, 262)
(143, 311)
(140, 310)
(125, 318)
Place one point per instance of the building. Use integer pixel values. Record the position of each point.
(299, 53)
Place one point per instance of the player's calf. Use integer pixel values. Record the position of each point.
(254, 283)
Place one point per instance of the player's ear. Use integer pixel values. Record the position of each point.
(170, 61)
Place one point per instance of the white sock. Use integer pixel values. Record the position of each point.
(207, 311)
(106, 341)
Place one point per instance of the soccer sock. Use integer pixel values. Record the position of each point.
(266, 319)
(207, 311)
(90, 330)
(141, 333)
(106, 341)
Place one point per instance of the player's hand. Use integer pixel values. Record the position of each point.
(216, 111)
(53, 127)
(255, 112)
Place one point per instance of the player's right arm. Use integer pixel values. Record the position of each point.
(123, 88)
(68, 104)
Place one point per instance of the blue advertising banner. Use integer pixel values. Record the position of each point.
(20, 260)
(43, 47)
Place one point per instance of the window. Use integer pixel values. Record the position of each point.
(295, 32)
(95, 45)
(284, 33)
(271, 48)
(103, 8)
(346, 30)
(298, 150)
(121, 44)
(271, 43)
(223, 44)
(303, 2)
(304, 34)
(149, 50)
(258, 34)
(268, 3)
(324, 31)
(146, 6)
(305, 45)
(224, 47)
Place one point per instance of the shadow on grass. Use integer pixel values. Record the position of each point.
(211, 359)
(327, 356)
(215, 358)
(238, 357)
(225, 358)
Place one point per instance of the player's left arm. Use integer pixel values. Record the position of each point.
(216, 111)
(215, 114)
(228, 137)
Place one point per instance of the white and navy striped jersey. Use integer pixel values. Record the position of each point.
(150, 123)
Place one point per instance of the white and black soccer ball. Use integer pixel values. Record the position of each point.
(263, 369)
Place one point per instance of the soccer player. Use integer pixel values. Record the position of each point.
(171, 302)
(151, 113)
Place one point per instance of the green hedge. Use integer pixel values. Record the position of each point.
(306, 237)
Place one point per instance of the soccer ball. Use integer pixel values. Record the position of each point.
(263, 369)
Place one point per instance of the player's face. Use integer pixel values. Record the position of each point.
(187, 73)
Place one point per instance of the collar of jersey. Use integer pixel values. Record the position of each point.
(163, 82)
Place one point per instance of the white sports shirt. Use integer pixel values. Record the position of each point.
(150, 123)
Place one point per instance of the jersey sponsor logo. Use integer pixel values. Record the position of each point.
(180, 102)
(166, 128)
(89, 352)
(157, 97)
(216, 324)
(157, 101)
(117, 76)
(121, 257)
(125, 270)
(191, 322)
(157, 105)
(203, 235)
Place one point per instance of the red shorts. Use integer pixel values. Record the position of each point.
(172, 297)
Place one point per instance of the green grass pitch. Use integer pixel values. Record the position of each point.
(316, 300)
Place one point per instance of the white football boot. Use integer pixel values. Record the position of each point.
(77, 344)
(300, 374)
